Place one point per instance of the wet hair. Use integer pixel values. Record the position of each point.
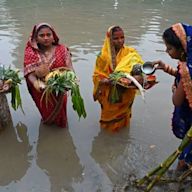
(170, 37)
(115, 29)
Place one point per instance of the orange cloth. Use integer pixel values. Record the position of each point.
(114, 116)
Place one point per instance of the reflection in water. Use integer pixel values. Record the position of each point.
(14, 150)
(108, 149)
(56, 155)
(82, 25)
(120, 156)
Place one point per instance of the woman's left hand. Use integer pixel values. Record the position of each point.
(139, 78)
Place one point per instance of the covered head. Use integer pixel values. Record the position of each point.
(179, 35)
(32, 40)
(184, 33)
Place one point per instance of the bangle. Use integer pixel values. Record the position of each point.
(170, 70)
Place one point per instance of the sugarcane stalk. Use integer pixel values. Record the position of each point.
(164, 167)
(159, 171)
(148, 175)
(185, 174)
(168, 180)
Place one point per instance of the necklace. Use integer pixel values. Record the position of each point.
(48, 52)
(47, 55)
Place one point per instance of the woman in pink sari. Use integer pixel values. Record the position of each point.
(43, 53)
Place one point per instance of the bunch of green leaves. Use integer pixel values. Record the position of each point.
(7, 74)
(78, 103)
(115, 76)
(114, 96)
(62, 82)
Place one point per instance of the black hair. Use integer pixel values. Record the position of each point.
(41, 27)
(171, 38)
(116, 28)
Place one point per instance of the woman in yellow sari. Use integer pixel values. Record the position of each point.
(114, 57)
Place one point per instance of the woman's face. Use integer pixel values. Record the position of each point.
(45, 37)
(118, 39)
(173, 52)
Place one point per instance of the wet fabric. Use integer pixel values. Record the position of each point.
(182, 116)
(114, 115)
(55, 110)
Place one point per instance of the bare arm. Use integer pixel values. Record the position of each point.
(165, 67)
(178, 95)
(32, 77)
(38, 84)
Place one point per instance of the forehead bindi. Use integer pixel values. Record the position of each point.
(45, 30)
(118, 34)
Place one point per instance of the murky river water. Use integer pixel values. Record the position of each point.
(83, 158)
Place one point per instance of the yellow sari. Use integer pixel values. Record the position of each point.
(114, 115)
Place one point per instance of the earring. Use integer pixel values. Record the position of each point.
(183, 56)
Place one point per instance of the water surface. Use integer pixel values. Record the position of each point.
(83, 158)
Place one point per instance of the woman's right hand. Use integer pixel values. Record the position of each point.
(159, 65)
(42, 71)
(39, 85)
(105, 81)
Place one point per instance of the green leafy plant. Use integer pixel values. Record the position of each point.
(114, 96)
(9, 82)
(61, 81)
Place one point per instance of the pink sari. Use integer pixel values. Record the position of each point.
(55, 111)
